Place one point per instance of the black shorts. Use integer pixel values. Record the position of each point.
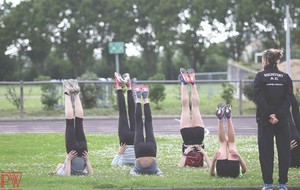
(192, 135)
(228, 168)
(145, 149)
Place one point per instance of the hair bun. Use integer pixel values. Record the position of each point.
(278, 53)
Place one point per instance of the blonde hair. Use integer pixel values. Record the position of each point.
(272, 55)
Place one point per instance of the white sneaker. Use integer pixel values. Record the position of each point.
(126, 78)
(66, 87)
(75, 86)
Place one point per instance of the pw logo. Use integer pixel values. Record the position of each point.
(10, 180)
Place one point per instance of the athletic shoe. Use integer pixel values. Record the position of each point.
(220, 111)
(118, 79)
(75, 86)
(191, 75)
(72, 88)
(227, 112)
(267, 187)
(145, 91)
(282, 187)
(138, 91)
(66, 87)
(184, 78)
(126, 78)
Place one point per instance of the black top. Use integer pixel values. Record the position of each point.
(272, 91)
(294, 121)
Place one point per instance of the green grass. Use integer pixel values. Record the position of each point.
(210, 96)
(36, 154)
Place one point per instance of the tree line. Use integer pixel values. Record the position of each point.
(67, 38)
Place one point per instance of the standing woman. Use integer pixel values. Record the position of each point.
(272, 89)
(191, 124)
(125, 155)
(145, 148)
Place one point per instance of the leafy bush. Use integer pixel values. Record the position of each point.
(89, 91)
(228, 92)
(157, 91)
(50, 95)
(248, 91)
(12, 97)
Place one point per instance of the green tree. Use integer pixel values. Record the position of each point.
(89, 91)
(50, 94)
(12, 96)
(261, 21)
(55, 36)
(248, 89)
(145, 33)
(8, 66)
(197, 16)
(157, 91)
(165, 19)
(216, 58)
(228, 92)
(31, 36)
(75, 33)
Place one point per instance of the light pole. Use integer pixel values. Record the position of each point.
(288, 37)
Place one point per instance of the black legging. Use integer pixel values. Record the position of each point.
(126, 132)
(142, 148)
(266, 135)
(295, 155)
(74, 136)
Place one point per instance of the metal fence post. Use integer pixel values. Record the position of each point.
(21, 99)
(241, 96)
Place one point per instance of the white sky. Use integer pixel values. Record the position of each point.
(15, 2)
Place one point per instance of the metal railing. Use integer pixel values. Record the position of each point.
(239, 84)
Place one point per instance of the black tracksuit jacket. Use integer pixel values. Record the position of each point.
(273, 90)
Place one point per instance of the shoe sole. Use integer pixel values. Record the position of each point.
(184, 76)
(118, 79)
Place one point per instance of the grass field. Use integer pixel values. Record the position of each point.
(36, 154)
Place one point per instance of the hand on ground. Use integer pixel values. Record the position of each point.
(122, 148)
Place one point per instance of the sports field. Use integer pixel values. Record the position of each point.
(37, 154)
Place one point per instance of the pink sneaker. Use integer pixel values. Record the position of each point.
(145, 91)
(138, 91)
(191, 74)
(184, 76)
(127, 80)
(118, 79)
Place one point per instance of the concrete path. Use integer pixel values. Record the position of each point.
(109, 125)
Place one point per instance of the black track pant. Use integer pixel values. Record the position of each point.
(142, 147)
(266, 135)
(126, 131)
(74, 136)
